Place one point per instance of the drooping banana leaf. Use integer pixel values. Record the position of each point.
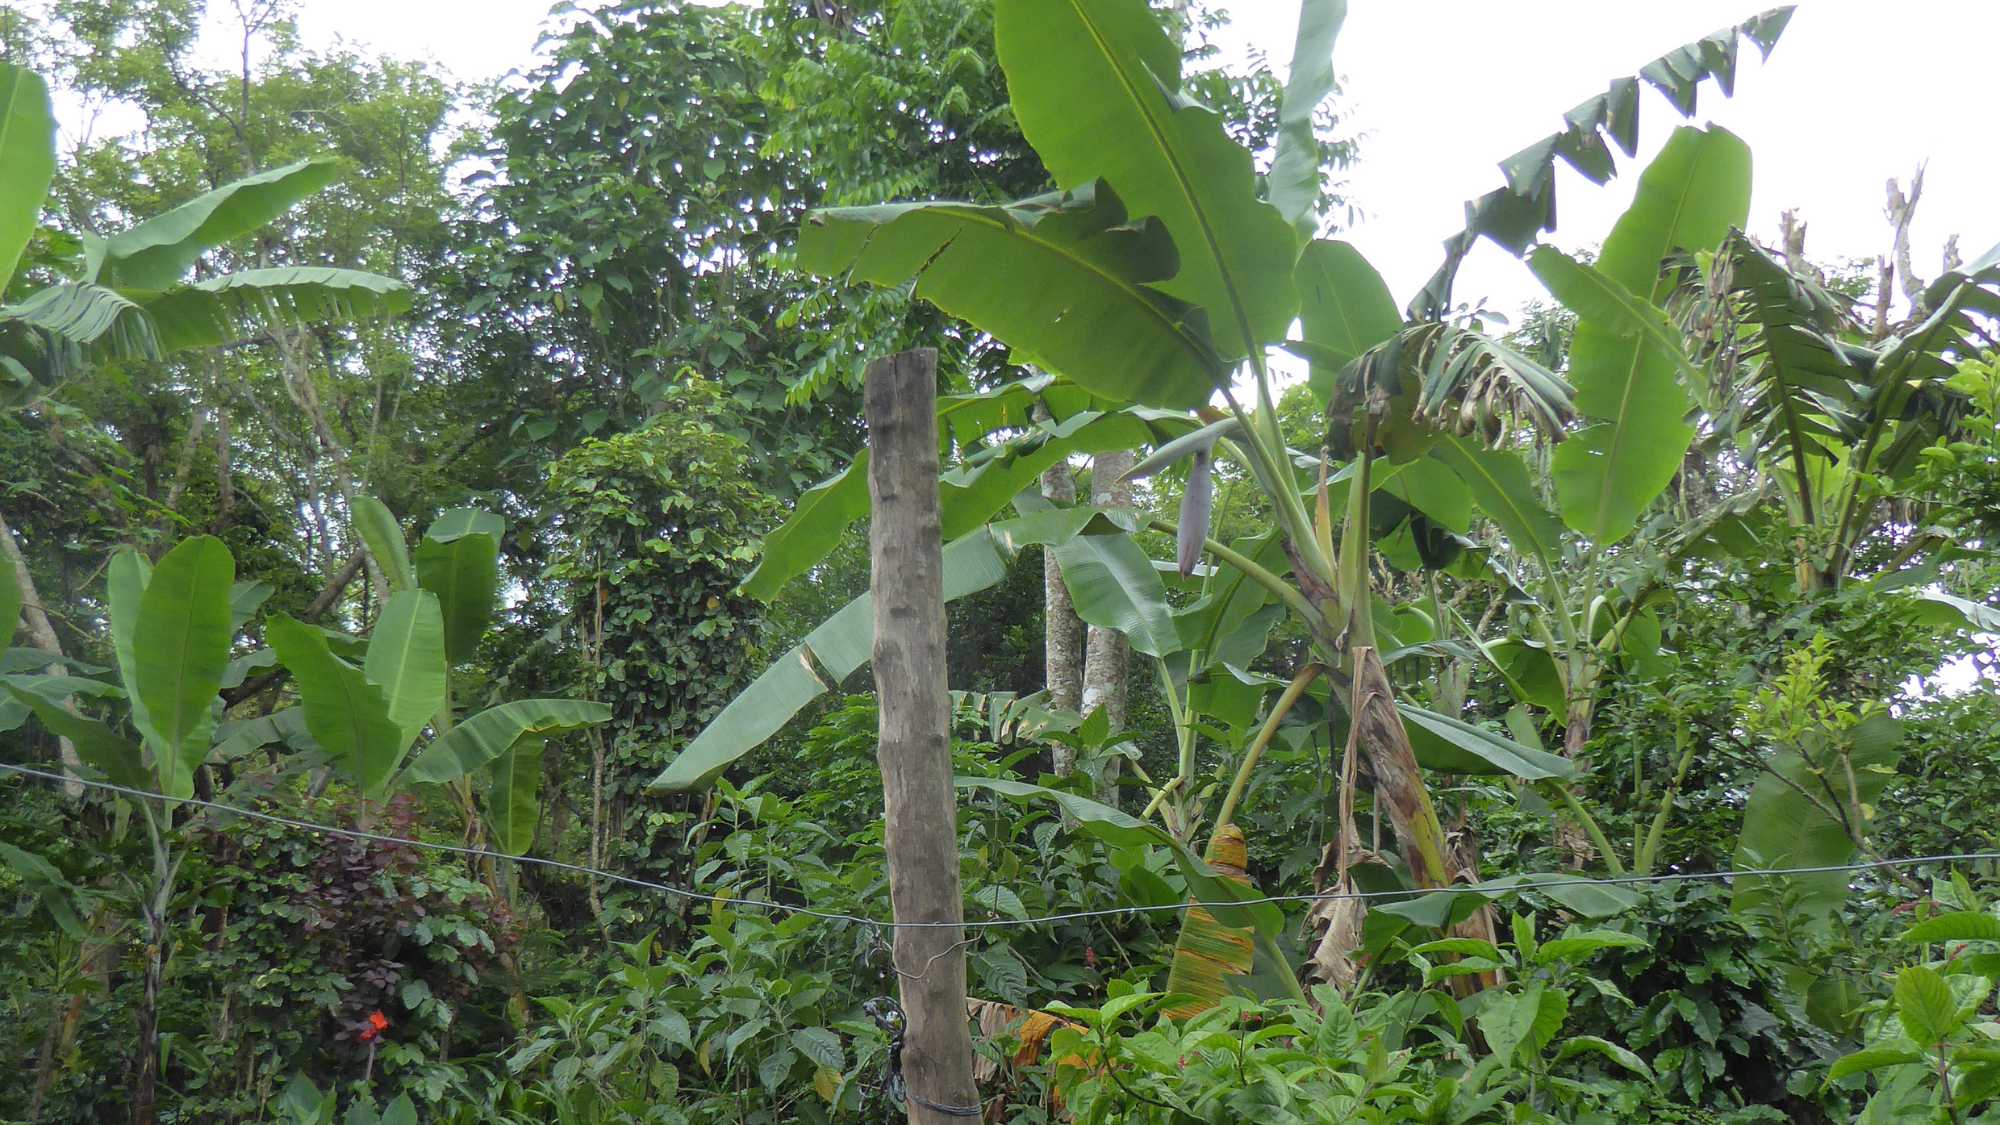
(1502, 488)
(220, 310)
(1804, 376)
(158, 252)
(1063, 278)
(97, 745)
(844, 642)
(79, 322)
(1095, 87)
(493, 732)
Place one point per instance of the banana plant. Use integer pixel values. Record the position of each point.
(1155, 274)
(368, 717)
(132, 299)
(1157, 277)
(172, 626)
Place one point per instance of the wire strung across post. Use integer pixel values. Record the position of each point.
(997, 923)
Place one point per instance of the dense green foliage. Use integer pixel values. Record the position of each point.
(432, 518)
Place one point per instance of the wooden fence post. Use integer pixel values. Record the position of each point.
(906, 555)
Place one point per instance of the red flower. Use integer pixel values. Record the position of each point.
(377, 1023)
(1089, 957)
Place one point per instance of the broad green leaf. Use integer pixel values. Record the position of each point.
(127, 589)
(384, 536)
(969, 494)
(489, 734)
(1961, 613)
(1873, 1058)
(1508, 1020)
(286, 725)
(346, 714)
(1577, 1044)
(1962, 925)
(975, 492)
(1924, 1004)
(406, 660)
(845, 641)
(1589, 898)
(465, 576)
(1460, 947)
(1217, 893)
(1607, 305)
(156, 253)
(56, 894)
(1112, 584)
(1505, 491)
(245, 598)
(1295, 172)
(96, 744)
(457, 523)
(1095, 87)
(511, 804)
(1064, 279)
(1344, 308)
(1781, 829)
(822, 515)
(1576, 947)
(28, 153)
(10, 609)
(1444, 743)
(1433, 489)
(1689, 198)
(180, 646)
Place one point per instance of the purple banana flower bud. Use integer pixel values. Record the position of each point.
(1195, 503)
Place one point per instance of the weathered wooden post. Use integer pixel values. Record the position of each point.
(906, 555)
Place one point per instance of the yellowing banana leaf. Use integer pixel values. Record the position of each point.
(1207, 952)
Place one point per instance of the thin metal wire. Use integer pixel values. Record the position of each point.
(993, 923)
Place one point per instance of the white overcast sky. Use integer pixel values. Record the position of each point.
(1856, 92)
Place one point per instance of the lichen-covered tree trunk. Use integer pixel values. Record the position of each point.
(42, 635)
(1107, 662)
(1062, 630)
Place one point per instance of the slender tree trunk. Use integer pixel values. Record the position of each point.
(1107, 662)
(153, 919)
(225, 481)
(1062, 632)
(920, 829)
(42, 635)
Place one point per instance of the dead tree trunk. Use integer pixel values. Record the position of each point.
(919, 815)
